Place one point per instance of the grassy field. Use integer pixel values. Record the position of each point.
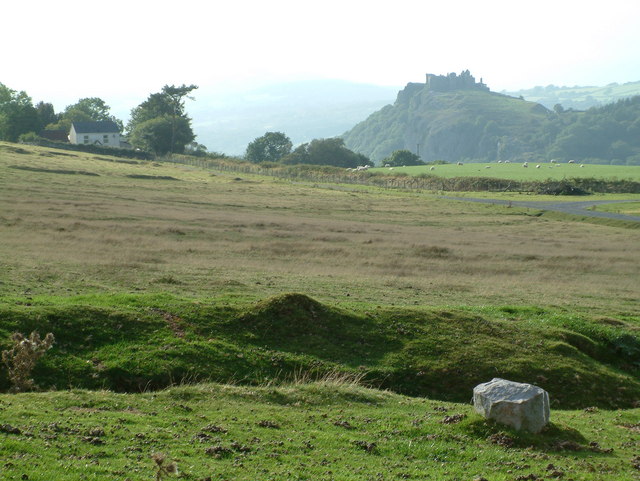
(320, 431)
(208, 235)
(152, 274)
(627, 208)
(514, 170)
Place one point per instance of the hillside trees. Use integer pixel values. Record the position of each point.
(160, 123)
(402, 157)
(610, 134)
(89, 109)
(271, 147)
(17, 114)
(46, 114)
(162, 135)
(326, 152)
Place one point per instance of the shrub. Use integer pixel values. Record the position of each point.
(21, 358)
(163, 470)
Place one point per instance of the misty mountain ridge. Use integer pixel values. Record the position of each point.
(303, 110)
(578, 97)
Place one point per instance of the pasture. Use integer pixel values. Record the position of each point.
(515, 171)
(153, 274)
(129, 229)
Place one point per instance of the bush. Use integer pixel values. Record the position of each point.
(398, 158)
(21, 358)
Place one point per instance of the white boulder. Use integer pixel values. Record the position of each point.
(519, 405)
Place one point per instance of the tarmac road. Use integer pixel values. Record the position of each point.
(575, 208)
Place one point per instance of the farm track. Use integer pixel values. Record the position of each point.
(574, 208)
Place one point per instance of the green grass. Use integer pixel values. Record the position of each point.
(328, 430)
(142, 343)
(515, 171)
(630, 208)
(149, 282)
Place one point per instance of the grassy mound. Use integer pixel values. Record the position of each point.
(156, 342)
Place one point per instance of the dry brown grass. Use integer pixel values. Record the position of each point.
(207, 234)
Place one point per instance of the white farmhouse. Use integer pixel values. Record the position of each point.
(105, 133)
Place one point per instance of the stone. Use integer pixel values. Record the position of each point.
(521, 406)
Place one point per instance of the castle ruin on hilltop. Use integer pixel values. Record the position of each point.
(446, 83)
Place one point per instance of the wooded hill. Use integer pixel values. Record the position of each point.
(472, 123)
(578, 97)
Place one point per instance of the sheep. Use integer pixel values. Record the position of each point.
(581, 165)
(487, 166)
(571, 162)
(390, 168)
(553, 161)
(432, 168)
(499, 161)
(387, 165)
(525, 165)
(537, 166)
(507, 161)
(459, 163)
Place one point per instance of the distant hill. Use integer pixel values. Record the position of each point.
(303, 110)
(452, 124)
(578, 98)
(452, 120)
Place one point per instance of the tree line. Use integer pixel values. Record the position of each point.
(159, 125)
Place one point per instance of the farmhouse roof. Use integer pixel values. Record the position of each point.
(105, 126)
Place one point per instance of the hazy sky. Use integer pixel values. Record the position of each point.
(121, 51)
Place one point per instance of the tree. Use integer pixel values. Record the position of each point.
(46, 114)
(326, 152)
(148, 124)
(271, 147)
(157, 105)
(162, 135)
(17, 114)
(175, 96)
(402, 157)
(89, 109)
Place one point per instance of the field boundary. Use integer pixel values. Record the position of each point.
(328, 174)
(573, 208)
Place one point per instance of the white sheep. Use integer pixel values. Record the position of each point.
(581, 165)
(487, 166)
(571, 162)
(525, 165)
(459, 163)
(432, 168)
(537, 166)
